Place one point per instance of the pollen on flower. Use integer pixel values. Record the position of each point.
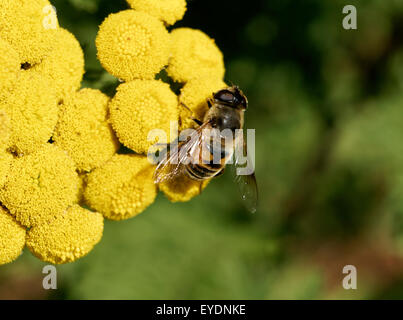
(40, 185)
(22, 25)
(168, 11)
(9, 67)
(67, 236)
(83, 129)
(139, 107)
(32, 108)
(122, 188)
(133, 44)
(12, 237)
(64, 64)
(194, 55)
(194, 95)
(182, 188)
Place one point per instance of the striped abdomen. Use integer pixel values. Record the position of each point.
(207, 165)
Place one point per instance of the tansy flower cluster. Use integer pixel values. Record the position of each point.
(62, 171)
(50, 132)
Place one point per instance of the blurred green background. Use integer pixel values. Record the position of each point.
(327, 106)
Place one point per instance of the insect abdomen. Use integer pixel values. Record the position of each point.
(203, 171)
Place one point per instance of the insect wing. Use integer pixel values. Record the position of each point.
(178, 156)
(246, 181)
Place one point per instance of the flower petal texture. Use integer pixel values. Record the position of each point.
(194, 95)
(64, 65)
(32, 108)
(133, 44)
(122, 188)
(168, 11)
(139, 107)
(83, 129)
(10, 66)
(5, 129)
(12, 237)
(40, 185)
(66, 237)
(194, 55)
(5, 162)
(23, 25)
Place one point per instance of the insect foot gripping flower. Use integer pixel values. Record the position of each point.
(12, 237)
(83, 131)
(64, 64)
(22, 25)
(9, 67)
(66, 237)
(194, 55)
(122, 188)
(194, 95)
(181, 188)
(40, 185)
(168, 11)
(133, 44)
(139, 107)
(32, 108)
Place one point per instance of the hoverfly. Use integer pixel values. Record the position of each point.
(195, 157)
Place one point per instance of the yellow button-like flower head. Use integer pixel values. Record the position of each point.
(194, 95)
(32, 108)
(12, 237)
(83, 131)
(194, 55)
(140, 106)
(133, 44)
(67, 236)
(40, 185)
(10, 66)
(122, 188)
(24, 24)
(182, 188)
(64, 64)
(169, 11)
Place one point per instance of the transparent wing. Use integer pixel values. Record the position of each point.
(176, 157)
(245, 178)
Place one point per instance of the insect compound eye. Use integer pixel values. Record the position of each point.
(225, 96)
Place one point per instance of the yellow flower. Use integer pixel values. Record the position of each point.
(194, 95)
(5, 162)
(64, 65)
(83, 131)
(194, 55)
(122, 188)
(32, 108)
(22, 24)
(169, 11)
(140, 106)
(40, 185)
(12, 237)
(10, 66)
(132, 45)
(67, 236)
(5, 129)
(182, 188)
